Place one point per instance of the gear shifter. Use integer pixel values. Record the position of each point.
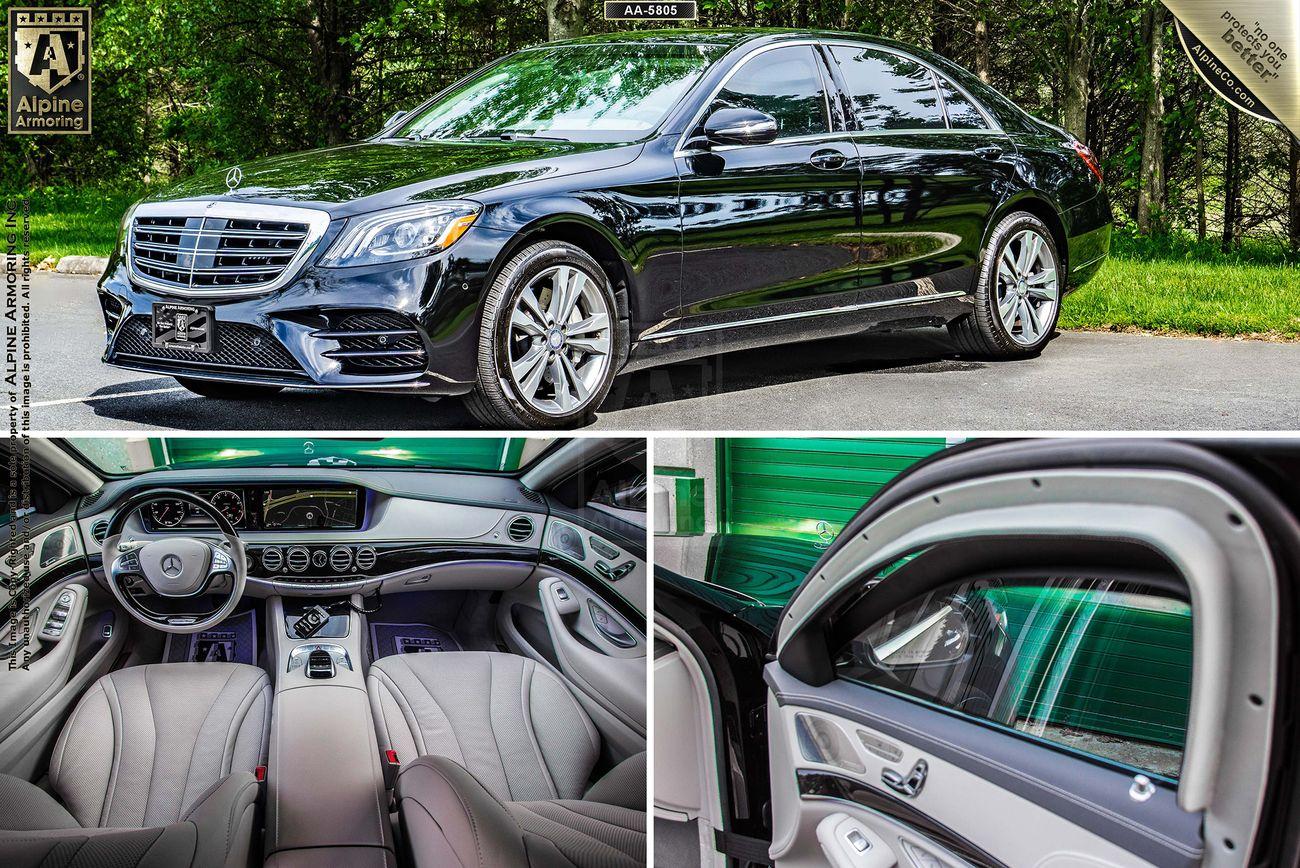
(320, 664)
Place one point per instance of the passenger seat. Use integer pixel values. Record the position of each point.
(496, 753)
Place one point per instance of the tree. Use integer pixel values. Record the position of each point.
(1151, 179)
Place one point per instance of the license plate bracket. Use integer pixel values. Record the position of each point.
(189, 327)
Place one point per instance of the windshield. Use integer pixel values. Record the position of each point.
(586, 93)
(117, 456)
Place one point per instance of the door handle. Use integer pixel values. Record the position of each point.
(909, 786)
(989, 152)
(828, 159)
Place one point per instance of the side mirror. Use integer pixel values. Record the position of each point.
(740, 126)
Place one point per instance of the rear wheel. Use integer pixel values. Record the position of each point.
(227, 391)
(548, 341)
(1017, 294)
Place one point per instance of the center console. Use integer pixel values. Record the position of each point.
(326, 800)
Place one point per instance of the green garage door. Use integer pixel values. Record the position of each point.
(790, 485)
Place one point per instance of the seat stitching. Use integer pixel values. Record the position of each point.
(230, 821)
(119, 738)
(473, 823)
(525, 700)
(239, 717)
(189, 768)
(408, 714)
(145, 857)
(56, 766)
(455, 736)
(567, 809)
(602, 844)
(492, 728)
(435, 822)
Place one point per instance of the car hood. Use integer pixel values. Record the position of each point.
(380, 174)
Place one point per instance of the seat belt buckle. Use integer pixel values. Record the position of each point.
(259, 772)
(391, 766)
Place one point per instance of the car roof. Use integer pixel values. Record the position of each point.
(727, 37)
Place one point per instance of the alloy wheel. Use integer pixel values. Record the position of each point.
(559, 340)
(1027, 287)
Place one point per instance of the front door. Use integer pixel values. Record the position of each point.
(1037, 667)
(771, 230)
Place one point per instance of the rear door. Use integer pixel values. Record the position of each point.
(934, 168)
(1053, 662)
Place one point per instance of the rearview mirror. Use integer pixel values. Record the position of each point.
(740, 126)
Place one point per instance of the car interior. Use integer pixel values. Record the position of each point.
(429, 651)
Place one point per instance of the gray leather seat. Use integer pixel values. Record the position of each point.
(496, 754)
(155, 766)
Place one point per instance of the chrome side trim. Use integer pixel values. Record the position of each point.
(317, 223)
(804, 314)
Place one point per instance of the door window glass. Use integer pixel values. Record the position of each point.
(784, 83)
(1098, 665)
(962, 114)
(889, 92)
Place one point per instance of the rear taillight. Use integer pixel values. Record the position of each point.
(1089, 159)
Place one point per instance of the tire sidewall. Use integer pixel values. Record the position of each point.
(537, 259)
(1002, 235)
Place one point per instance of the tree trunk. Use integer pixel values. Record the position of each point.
(565, 19)
(1231, 179)
(1199, 168)
(982, 48)
(1293, 195)
(1151, 182)
(1078, 69)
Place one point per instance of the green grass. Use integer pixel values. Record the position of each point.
(1170, 284)
(1173, 285)
(69, 222)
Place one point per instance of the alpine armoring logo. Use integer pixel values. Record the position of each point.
(49, 71)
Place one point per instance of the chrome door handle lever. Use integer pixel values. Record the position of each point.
(909, 786)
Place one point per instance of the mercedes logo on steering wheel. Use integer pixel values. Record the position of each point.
(171, 566)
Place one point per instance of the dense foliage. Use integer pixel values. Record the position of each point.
(182, 85)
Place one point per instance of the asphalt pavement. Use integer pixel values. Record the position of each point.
(903, 382)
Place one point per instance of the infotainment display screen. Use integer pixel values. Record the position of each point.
(310, 509)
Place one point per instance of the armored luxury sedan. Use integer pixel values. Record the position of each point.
(586, 208)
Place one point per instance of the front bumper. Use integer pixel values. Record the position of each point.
(410, 328)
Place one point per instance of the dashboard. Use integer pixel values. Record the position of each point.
(272, 508)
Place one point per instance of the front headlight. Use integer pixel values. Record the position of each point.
(402, 233)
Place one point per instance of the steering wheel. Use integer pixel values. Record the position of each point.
(174, 583)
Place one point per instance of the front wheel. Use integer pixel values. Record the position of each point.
(227, 391)
(1017, 294)
(548, 342)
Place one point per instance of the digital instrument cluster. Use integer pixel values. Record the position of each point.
(278, 507)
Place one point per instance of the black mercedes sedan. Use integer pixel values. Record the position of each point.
(583, 209)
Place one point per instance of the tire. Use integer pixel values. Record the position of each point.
(227, 391)
(984, 332)
(500, 399)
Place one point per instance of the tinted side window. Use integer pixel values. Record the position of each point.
(889, 92)
(783, 82)
(1098, 665)
(962, 114)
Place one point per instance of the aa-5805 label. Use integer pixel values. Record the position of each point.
(622, 11)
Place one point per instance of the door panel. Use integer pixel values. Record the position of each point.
(1162, 517)
(771, 229)
(986, 796)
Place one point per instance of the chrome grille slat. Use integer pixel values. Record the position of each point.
(208, 248)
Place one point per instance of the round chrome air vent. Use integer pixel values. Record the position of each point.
(340, 559)
(272, 559)
(298, 559)
(366, 557)
(99, 530)
(520, 528)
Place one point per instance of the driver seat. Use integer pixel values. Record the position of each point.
(154, 767)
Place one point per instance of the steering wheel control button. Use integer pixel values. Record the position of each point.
(610, 627)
